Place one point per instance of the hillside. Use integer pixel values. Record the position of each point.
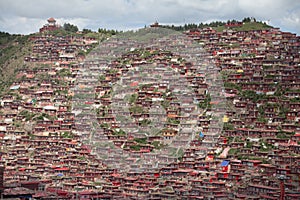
(13, 48)
(247, 26)
(91, 120)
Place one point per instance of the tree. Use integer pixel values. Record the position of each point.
(85, 31)
(70, 27)
(247, 19)
(133, 98)
(105, 31)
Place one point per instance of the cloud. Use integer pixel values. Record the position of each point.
(26, 16)
(291, 22)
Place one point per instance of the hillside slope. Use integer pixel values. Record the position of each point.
(13, 48)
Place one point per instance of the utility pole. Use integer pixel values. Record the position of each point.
(1, 181)
(282, 189)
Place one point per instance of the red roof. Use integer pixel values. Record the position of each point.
(87, 192)
(134, 84)
(62, 169)
(51, 19)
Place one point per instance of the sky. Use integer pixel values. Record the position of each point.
(27, 16)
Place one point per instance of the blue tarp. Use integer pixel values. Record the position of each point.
(60, 174)
(201, 134)
(225, 163)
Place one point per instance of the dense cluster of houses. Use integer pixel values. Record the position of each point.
(254, 156)
(49, 47)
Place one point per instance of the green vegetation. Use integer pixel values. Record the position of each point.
(206, 103)
(13, 48)
(252, 95)
(107, 31)
(86, 31)
(145, 122)
(5, 38)
(81, 158)
(67, 135)
(101, 77)
(173, 121)
(252, 26)
(60, 32)
(133, 98)
(230, 85)
(27, 114)
(42, 116)
(165, 104)
(64, 72)
(141, 140)
(284, 135)
(119, 132)
(248, 19)
(228, 126)
(295, 99)
(249, 144)
(70, 27)
(17, 124)
(265, 147)
(135, 147)
(104, 125)
(261, 118)
(157, 144)
(136, 109)
(194, 26)
(248, 24)
(230, 140)
(31, 136)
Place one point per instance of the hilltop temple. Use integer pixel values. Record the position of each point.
(51, 26)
